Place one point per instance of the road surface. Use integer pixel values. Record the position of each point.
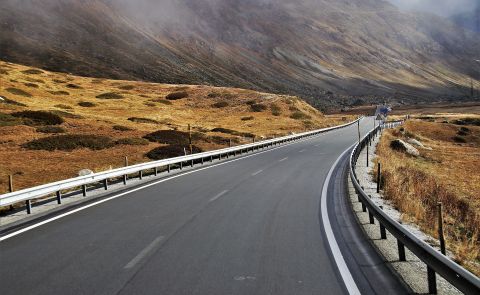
(250, 225)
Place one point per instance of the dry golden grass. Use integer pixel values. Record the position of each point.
(62, 93)
(448, 173)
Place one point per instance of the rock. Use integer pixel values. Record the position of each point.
(401, 145)
(415, 142)
(85, 172)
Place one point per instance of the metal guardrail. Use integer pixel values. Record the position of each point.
(27, 195)
(436, 262)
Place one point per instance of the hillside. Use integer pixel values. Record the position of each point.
(325, 51)
(52, 125)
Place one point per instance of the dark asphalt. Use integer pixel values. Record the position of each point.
(250, 226)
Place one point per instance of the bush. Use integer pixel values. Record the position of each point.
(126, 87)
(462, 133)
(64, 114)
(467, 121)
(5, 100)
(248, 118)
(143, 120)
(9, 120)
(459, 139)
(132, 141)
(300, 116)
(32, 72)
(17, 91)
(87, 104)
(59, 81)
(233, 132)
(31, 85)
(214, 94)
(149, 104)
(109, 95)
(63, 106)
(169, 137)
(220, 104)
(464, 129)
(177, 95)
(121, 128)
(39, 118)
(50, 129)
(70, 142)
(60, 92)
(73, 86)
(162, 101)
(276, 111)
(258, 107)
(251, 102)
(170, 151)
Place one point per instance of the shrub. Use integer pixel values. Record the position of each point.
(132, 141)
(17, 91)
(87, 104)
(149, 104)
(462, 133)
(168, 137)
(467, 121)
(73, 86)
(60, 92)
(59, 81)
(50, 129)
(39, 118)
(63, 106)
(276, 111)
(293, 108)
(121, 128)
(220, 104)
(126, 87)
(300, 116)
(162, 101)
(214, 94)
(459, 139)
(464, 129)
(251, 102)
(70, 142)
(143, 120)
(233, 132)
(31, 85)
(9, 120)
(170, 151)
(248, 118)
(32, 72)
(177, 95)
(64, 114)
(109, 95)
(5, 100)
(258, 107)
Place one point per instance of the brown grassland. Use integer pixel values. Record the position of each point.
(122, 113)
(447, 171)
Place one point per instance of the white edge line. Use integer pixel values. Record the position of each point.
(25, 229)
(281, 160)
(258, 172)
(218, 196)
(143, 253)
(337, 254)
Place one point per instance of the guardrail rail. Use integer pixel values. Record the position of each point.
(436, 262)
(81, 182)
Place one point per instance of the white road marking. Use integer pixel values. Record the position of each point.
(337, 254)
(218, 196)
(28, 228)
(301, 151)
(281, 160)
(144, 253)
(258, 172)
(317, 145)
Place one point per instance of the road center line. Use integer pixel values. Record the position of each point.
(281, 160)
(258, 172)
(144, 253)
(218, 196)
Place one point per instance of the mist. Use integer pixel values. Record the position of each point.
(446, 8)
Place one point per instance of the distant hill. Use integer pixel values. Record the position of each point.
(326, 51)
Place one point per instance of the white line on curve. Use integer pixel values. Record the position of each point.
(218, 196)
(337, 254)
(25, 229)
(144, 252)
(281, 160)
(301, 151)
(258, 172)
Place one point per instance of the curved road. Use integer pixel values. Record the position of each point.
(250, 225)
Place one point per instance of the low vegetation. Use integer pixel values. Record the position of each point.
(220, 104)
(143, 120)
(162, 101)
(257, 107)
(39, 118)
(87, 104)
(298, 115)
(232, 132)
(17, 91)
(50, 129)
(132, 141)
(170, 151)
(109, 95)
(70, 142)
(5, 100)
(276, 110)
(60, 92)
(32, 72)
(177, 95)
(121, 128)
(9, 120)
(171, 137)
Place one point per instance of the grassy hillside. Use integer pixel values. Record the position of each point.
(52, 124)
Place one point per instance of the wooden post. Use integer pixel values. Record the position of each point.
(440, 228)
(190, 139)
(126, 161)
(230, 142)
(10, 183)
(358, 125)
(367, 155)
(379, 178)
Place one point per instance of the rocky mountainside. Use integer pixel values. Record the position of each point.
(326, 51)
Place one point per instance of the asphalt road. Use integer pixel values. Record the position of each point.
(249, 225)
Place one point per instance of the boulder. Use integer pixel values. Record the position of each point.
(400, 145)
(85, 172)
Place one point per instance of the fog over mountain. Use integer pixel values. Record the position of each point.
(331, 52)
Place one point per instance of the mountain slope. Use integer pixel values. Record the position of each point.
(324, 50)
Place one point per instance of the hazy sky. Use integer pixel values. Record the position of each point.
(440, 7)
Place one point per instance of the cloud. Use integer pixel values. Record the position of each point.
(440, 7)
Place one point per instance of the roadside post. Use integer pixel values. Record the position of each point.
(440, 228)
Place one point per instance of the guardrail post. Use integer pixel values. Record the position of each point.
(191, 163)
(181, 165)
(229, 142)
(432, 281)
(125, 176)
(211, 158)
(370, 217)
(155, 171)
(367, 155)
(28, 205)
(168, 168)
(202, 160)
(364, 208)
(140, 174)
(401, 251)
(440, 228)
(379, 178)
(10, 183)
(105, 184)
(383, 233)
(84, 190)
(59, 197)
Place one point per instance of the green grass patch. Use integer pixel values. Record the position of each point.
(70, 142)
(9, 120)
(298, 115)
